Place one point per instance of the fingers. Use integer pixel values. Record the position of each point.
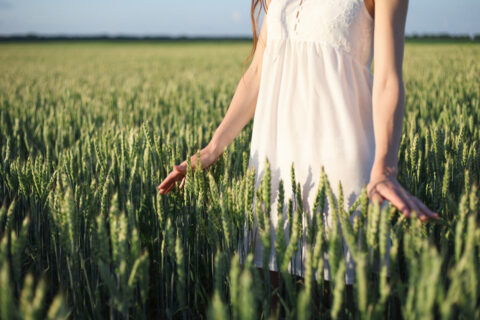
(414, 207)
(406, 202)
(179, 171)
(425, 209)
(173, 176)
(169, 188)
(168, 183)
(415, 204)
(395, 198)
(375, 196)
(182, 183)
(165, 183)
(408, 198)
(166, 187)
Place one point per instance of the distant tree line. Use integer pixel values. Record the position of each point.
(120, 38)
(37, 37)
(444, 36)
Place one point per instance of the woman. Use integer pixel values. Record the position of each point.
(316, 102)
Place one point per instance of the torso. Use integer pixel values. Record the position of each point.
(345, 25)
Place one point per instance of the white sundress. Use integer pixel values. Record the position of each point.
(314, 108)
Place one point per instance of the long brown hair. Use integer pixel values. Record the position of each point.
(257, 5)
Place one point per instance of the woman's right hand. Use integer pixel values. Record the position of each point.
(207, 157)
(239, 113)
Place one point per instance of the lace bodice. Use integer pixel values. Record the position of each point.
(345, 25)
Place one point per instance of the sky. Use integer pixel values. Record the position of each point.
(195, 17)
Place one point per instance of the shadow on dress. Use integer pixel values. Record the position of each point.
(253, 243)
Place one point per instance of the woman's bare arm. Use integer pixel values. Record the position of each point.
(388, 90)
(243, 104)
(388, 99)
(239, 113)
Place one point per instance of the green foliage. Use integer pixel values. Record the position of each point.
(87, 132)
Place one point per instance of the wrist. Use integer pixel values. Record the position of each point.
(214, 149)
(383, 169)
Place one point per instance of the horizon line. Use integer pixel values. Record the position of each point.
(193, 36)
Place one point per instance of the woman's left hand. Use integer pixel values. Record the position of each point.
(386, 187)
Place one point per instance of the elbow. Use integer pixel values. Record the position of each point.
(389, 87)
(255, 70)
(252, 77)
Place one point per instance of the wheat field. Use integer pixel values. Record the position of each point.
(89, 129)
